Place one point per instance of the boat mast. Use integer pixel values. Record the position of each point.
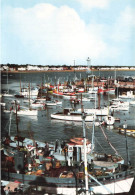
(92, 142)
(7, 82)
(17, 121)
(10, 123)
(93, 131)
(29, 96)
(85, 153)
(107, 189)
(125, 127)
(20, 85)
(115, 81)
(74, 72)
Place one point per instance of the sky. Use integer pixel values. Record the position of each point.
(58, 32)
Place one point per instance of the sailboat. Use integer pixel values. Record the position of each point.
(26, 111)
(97, 111)
(109, 119)
(69, 114)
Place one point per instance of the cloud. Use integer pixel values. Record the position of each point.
(124, 26)
(54, 35)
(89, 4)
(47, 34)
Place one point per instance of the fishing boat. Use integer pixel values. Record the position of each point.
(132, 103)
(33, 92)
(109, 120)
(103, 89)
(93, 90)
(129, 130)
(37, 103)
(6, 94)
(15, 102)
(115, 101)
(69, 114)
(119, 107)
(2, 104)
(69, 95)
(128, 95)
(53, 103)
(26, 112)
(88, 99)
(110, 91)
(79, 175)
(28, 100)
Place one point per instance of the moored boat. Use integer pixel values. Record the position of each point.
(109, 120)
(37, 103)
(128, 95)
(129, 130)
(27, 112)
(69, 114)
(55, 176)
(59, 169)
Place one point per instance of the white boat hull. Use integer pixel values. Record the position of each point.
(27, 112)
(68, 97)
(132, 103)
(121, 186)
(88, 118)
(7, 95)
(50, 104)
(115, 187)
(109, 120)
(37, 105)
(122, 108)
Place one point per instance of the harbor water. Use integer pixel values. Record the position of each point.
(43, 128)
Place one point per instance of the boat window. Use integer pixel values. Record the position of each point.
(70, 148)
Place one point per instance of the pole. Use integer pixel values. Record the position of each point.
(16, 117)
(92, 143)
(16, 121)
(108, 190)
(85, 154)
(10, 123)
(125, 127)
(7, 82)
(20, 85)
(29, 96)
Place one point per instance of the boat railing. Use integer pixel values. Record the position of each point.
(113, 176)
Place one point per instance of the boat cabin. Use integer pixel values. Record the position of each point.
(75, 149)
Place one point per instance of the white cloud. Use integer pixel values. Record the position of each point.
(89, 4)
(124, 25)
(54, 34)
(57, 35)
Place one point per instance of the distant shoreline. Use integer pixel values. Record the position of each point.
(35, 71)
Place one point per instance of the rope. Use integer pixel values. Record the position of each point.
(108, 140)
(96, 139)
